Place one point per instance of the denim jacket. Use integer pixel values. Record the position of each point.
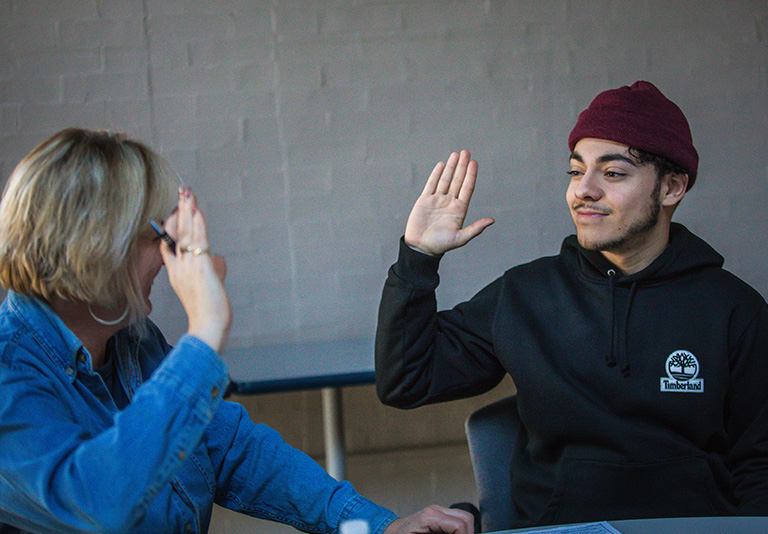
(71, 461)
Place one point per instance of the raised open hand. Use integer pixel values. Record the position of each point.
(436, 222)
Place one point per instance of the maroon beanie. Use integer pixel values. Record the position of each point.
(641, 117)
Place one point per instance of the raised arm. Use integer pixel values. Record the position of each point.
(196, 276)
(423, 356)
(435, 225)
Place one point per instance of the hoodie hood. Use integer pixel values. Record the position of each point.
(685, 253)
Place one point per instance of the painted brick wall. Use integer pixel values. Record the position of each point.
(308, 127)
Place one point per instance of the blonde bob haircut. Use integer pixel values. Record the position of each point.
(71, 214)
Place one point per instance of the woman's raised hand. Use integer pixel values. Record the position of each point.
(196, 276)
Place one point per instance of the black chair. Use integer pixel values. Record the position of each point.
(493, 433)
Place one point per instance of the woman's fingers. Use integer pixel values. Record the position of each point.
(196, 276)
(199, 230)
(188, 226)
(184, 219)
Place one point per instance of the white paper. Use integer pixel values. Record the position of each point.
(586, 528)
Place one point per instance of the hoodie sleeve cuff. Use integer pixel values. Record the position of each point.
(416, 268)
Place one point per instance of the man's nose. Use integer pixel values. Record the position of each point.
(588, 188)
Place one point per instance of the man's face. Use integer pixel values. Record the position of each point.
(615, 204)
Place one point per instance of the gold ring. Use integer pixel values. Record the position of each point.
(199, 251)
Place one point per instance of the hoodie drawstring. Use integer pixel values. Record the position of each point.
(619, 351)
(610, 358)
(624, 354)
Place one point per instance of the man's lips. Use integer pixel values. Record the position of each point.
(583, 210)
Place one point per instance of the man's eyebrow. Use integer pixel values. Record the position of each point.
(606, 158)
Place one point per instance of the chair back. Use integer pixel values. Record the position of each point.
(492, 435)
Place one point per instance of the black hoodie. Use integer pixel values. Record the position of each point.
(643, 395)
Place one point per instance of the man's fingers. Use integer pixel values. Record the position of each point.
(434, 519)
(449, 178)
(431, 186)
(468, 233)
(464, 194)
(444, 185)
(460, 173)
(438, 519)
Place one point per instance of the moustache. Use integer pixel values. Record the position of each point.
(589, 206)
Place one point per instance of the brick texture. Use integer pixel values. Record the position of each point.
(308, 128)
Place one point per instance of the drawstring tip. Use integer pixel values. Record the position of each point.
(625, 371)
(610, 361)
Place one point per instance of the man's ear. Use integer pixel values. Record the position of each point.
(673, 188)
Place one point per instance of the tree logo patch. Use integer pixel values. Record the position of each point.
(682, 372)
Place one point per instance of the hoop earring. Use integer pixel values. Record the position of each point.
(108, 323)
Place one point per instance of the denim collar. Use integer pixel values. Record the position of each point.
(49, 331)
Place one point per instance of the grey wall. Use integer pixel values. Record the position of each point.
(308, 128)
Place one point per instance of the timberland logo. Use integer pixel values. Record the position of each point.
(682, 369)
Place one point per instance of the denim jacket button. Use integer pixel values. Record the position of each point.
(187, 528)
(69, 370)
(214, 392)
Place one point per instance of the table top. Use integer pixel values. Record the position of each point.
(677, 525)
(298, 366)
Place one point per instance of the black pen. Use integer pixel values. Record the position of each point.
(163, 235)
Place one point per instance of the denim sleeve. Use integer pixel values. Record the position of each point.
(262, 476)
(57, 475)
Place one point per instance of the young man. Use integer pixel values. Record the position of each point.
(641, 366)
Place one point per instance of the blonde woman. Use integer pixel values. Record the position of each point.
(104, 427)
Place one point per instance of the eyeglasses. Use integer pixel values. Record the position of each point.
(163, 235)
(159, 228)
